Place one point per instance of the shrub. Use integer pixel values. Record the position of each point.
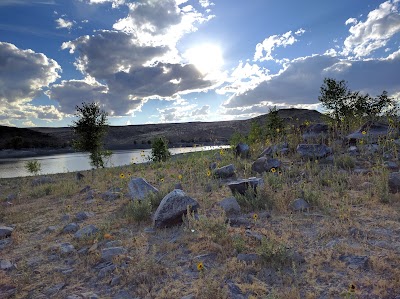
(159, 150)
(33, 166)
(138, 210)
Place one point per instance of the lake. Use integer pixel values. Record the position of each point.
(15, 167)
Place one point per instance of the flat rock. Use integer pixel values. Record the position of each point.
(265, 164)
(108, 253)
(70, 228)
(313, 151)
(86, 231)
(241, 186)
(110, 195)
(271, 150)
(373, 131)
(139, 188)
(5, 231)
(172, 207)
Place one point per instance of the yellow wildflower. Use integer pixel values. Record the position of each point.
(180, 177)
(273, 170)
(122, 176)
(364, 132)
(200, 266)
(209, 173)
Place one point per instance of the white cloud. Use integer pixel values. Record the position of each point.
(273, 42)
(374, 33)
(205, 110)
(29, 124)
(24, 74)
(63, 23)
(299, 32)
(115, 3)
(205, 3)
(351, 21)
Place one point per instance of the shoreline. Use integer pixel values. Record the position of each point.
(32, 153)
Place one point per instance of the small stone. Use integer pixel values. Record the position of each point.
(149, 230)
(248, 257)
(42, 181)
(300, 204)
(224, 172)
(394, 183)
(6, 265)
(90, 295)
(110, 196)
(86, 231)
(85, 189)
(51, 229)
(70, 228)
(5, 231)
(54, 289)
(108, 253)
(80, 216)
(66, 248)
(116, 280)
(354, 261)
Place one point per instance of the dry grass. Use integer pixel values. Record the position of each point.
(163, 265)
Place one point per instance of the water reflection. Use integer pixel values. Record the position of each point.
(70, 162)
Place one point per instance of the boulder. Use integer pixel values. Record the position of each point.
(86, 231)
(230, 206)
(313, 151)
(172, 207)
(394, 182)
(316, 132)
(225, 171)
(241, 186)
(42, 181)
(270, 151)
(265, 164)
(242, 150)
(108, 253)
(299, 204)
(5, 231)
(373, 131)
(139, 188)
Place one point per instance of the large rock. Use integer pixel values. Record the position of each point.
(241, 186)
(316, 132)
(373, 131)
(86, 231)
(242, 150)
(5, 231)
(313, 151)
(108, 253)
(172, 207)
(230, 206)
(271, 150)
(139, 188)
(265, 164)
(394, 182)
(225, 172)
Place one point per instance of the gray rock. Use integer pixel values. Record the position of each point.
(54, 289)
(230, 206)
(300, 204)
(224, 172)
(90, 295)
(241, 186)
(316, 132)
(172, 207)
(355, 261)
(242, 150)
(270, 151)
(353, 150)
(190, 296)
(313, 151)
(85, 189)
(11, 197)
(394, 182)
(392, 166)
(373, 132)
(115, 243)
(116, 280)
(42, 181)
(110, 195)
(7, 291)
(248, 257)
(107, 254)
(80, 216)
(66, 248)
(6, 265)
(123, 295)
(264, 164)
(70, 228)
(234, 292)
(178, 186)
(5, 231)
(86, 231)
(213, 165)
(139, 188)
(106, 271)
(51, 229)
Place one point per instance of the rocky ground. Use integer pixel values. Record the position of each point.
(320, 227)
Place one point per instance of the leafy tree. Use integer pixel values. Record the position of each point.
(274, 124)
(159, 150)
(90, 129)
(33, 166)
(255, 133)
(237, 138)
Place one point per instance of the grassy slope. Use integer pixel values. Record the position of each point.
(163, 265)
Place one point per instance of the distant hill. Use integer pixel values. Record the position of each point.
(178, 134)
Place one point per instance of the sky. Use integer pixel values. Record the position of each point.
(168, 61)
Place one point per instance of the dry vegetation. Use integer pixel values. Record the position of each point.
(347, 224)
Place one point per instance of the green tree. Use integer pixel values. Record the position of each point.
(274, 124)
(255, 134)
(159, 150)
(33, 166)
(90, 129)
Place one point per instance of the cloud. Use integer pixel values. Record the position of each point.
(63, 23)
(115, 3)
(205, 110)
(273, 42)
(26, 2)
(379, 27)
(24, 74)
(205, 3)
(300, 81)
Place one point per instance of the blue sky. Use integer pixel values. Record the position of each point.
(155, 61)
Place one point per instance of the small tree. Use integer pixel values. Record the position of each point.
(159, 150)
(274, 124)
(255, 134)
(33, 166)
(90, 129)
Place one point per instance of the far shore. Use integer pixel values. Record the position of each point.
(39, 152)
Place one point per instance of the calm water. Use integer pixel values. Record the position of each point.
(10, 168)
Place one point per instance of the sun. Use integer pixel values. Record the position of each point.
(207, 58)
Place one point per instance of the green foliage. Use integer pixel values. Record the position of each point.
(345, 161)
(138, 210)
(272, 251)
(159, 150)
(90, 129)
(255, 134)
(33, 166)
(274, 124)
(237, 138)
